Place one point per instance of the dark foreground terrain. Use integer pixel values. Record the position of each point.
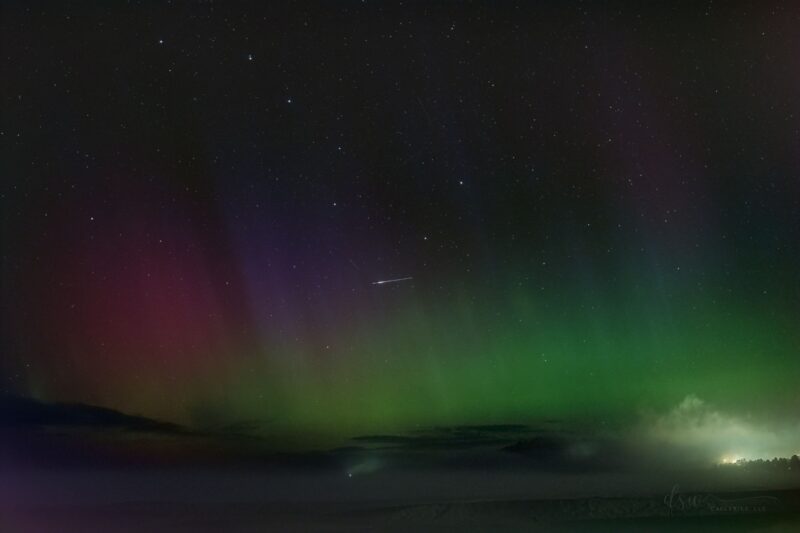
(771, 511)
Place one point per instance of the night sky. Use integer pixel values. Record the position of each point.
(586, 212)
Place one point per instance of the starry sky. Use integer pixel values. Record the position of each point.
(593, 210)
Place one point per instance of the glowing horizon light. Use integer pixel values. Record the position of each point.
(731, 459)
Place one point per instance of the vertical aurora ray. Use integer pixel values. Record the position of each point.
(332, 355)
(432, 364)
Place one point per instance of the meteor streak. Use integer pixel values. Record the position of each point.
(385, 281)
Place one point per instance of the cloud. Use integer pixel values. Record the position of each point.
(505, 446)
(451, 437)
(696, 431)
(36, 432)
(18, 412)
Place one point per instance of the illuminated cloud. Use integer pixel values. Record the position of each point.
(696, 431)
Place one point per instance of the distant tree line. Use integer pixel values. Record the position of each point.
(777, 463)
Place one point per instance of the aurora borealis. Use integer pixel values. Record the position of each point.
(596, 207)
